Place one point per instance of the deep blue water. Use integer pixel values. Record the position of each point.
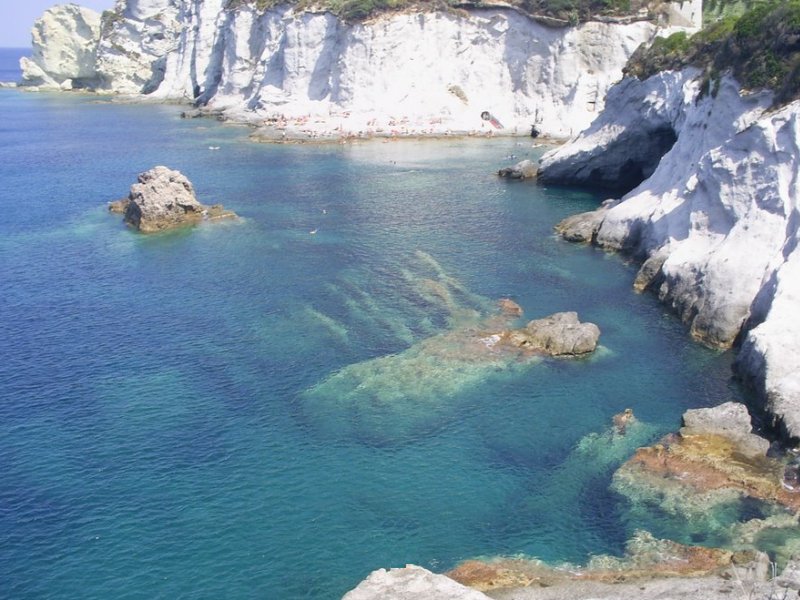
(158, 436)
(9, 63)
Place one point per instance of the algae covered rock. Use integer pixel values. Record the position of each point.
(164, 199)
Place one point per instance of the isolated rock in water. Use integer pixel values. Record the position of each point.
(556, 335)
(64, 41)
(165, 199)
(411, 582)
(525, 169)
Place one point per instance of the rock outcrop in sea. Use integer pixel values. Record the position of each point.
(164, 199)
(64, 42)
(308, 74)
(713, 214)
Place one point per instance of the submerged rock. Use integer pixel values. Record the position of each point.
(645, 557)
(164, 199)
(392, 397)
(714, 461)
(411, 582)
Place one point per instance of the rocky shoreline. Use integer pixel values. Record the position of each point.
(712, 219)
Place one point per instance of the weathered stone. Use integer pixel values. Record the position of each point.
(649, 274)
(164, 199)
(645, 557)
(411, 583)
(64, 44)
(730, 420)
(525, 169)
(556, 335)
(711, 462)
(790, 577)
(581, 228)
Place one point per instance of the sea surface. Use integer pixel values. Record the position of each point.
(9, 63)
(244, 409)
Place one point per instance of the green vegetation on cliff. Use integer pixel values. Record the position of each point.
(568, 11)
(760, 48)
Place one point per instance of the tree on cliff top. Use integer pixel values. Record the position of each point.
(760, 48)
(569, 11)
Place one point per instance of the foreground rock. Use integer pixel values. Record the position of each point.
(411, 583)
(164, 199)
(712, 216)
(652, 570)
(712, 471)
(64, 41)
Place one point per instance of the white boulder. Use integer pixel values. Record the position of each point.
(411, 583)
(64, 41)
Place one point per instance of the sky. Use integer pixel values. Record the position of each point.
(17, 17)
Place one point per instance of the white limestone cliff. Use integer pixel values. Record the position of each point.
(64, 48)
(408, 72)
(715, 219)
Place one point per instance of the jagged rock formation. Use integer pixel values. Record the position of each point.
(64, 48)
(560, 334)
(290, 67)
(164, 199)
(714, 220)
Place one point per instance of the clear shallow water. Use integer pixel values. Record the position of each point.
(157, 434)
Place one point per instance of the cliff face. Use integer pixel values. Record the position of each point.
(715, 219)
(423, 67)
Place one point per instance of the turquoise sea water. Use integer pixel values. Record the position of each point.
(172, 424)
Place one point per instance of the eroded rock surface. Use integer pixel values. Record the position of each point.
(164, 199)
(411, 583)
(714, 461)
(714, 219)
(559, 334)
(410, 72)
(524, 169)
(64, 43)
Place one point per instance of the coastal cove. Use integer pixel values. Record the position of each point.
(158, 435)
